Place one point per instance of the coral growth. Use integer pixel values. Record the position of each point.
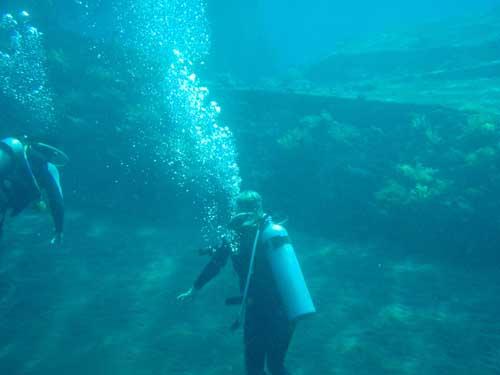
(315, 129)
(412, 185)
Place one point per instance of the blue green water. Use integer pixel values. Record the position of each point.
(373, 128)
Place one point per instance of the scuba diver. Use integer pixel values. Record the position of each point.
(28, 172)
(274, 294)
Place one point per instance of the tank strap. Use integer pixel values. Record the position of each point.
(241, 315)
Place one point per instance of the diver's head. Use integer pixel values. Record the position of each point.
(249, 201)
(249, 211)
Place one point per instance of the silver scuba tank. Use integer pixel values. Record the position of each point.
(287, 272)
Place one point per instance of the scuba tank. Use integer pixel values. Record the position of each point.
(286, 271)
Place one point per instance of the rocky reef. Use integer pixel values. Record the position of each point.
(396, 135)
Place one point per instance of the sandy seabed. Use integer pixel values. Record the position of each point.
(104, 303)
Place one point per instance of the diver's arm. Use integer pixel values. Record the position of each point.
(212, 269)
(51, 184)
(219, 259)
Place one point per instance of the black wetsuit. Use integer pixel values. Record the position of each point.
(21, 182)
(267, 330)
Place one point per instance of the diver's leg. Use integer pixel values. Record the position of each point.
(282, 332)
(254, 344)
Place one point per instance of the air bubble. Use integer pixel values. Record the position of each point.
(24, 16)
(197, 150)
(23, 67)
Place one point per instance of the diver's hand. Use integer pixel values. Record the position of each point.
(186, 296)
(57, 239)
